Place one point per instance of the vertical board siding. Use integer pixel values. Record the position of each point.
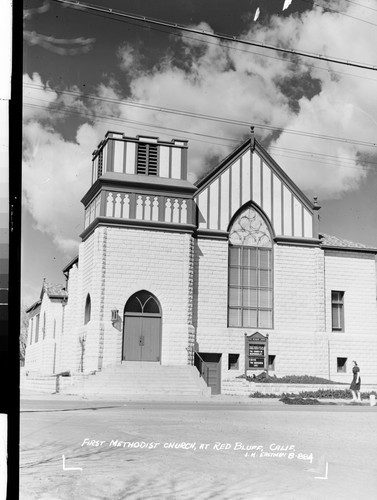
(214, 205)
(164, 161)
(224, 201)
(235, 188)
(202, 204)
(104, 159)
(176, 163)
(267, 192)
(130, 158)
(277, 206)
(287, 211)
(256, 196)
(297, 218)
(308, 224)
(245, 179)
(118, 156)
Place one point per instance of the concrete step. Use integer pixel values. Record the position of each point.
(140, 378)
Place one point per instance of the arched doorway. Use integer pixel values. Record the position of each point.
(142, 328)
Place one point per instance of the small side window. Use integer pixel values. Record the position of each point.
(271, 362)
(341, 365)
(233, 361)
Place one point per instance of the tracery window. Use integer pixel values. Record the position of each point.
(250, 292)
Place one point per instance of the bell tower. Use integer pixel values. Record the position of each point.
(137, 240)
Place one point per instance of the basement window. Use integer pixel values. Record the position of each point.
(271, 362)
(233, 361)
(341, 365)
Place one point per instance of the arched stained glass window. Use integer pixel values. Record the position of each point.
(250, 271)
(88, 309)
(142, 302)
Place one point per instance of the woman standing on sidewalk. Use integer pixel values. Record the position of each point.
(355, 384)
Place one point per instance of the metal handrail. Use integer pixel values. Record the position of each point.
(203, 374)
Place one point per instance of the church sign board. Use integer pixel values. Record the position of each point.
(256, 352)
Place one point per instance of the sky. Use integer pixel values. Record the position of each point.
(85, 73)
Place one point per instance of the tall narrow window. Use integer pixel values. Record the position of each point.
(147, 159)
(44, 325)
(31, 330)
(250, 272)
(36, 328)
(88, 307)
(337, 311)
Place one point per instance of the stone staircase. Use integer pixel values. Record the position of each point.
(140, 379)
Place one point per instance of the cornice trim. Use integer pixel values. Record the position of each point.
(296, 241)
(136, 224)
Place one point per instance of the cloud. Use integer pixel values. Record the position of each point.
(54, 175)
(216, 79)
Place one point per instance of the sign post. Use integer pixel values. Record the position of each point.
(256, 352)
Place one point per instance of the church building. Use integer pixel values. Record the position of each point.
(230, 274)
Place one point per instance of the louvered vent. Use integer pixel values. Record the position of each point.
(100, 163)
(142, 156)
(152, 160)
(147, 156)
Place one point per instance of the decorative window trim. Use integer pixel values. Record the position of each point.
(250, 268)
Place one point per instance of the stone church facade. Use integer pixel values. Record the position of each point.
(177, 273)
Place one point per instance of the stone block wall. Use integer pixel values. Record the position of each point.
(42, 356)
(127, 260)
(303, 281)
(354, 273)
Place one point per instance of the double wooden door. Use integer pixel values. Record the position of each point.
(142, 338)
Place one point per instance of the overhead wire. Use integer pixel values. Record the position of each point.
(361, 5)
(328, 9)
(203, 116)
(225, 37)
(233, 48)
(298, 154)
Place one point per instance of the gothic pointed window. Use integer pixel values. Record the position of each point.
(250, 272)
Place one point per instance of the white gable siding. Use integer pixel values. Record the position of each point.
(250, 178)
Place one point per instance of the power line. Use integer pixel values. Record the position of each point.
(225, 37)
(232, 47)
(328, 9)
(202, 116)
(360, 5)
(299, 154)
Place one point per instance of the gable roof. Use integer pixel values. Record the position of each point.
(53, 291)
(329, 241)
(254, 145)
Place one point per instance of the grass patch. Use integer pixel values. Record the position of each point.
(289, 379)
(319, 394)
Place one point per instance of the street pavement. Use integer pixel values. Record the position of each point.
(184, 448)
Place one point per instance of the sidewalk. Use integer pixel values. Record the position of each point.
(28, 395)
(221, 398)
